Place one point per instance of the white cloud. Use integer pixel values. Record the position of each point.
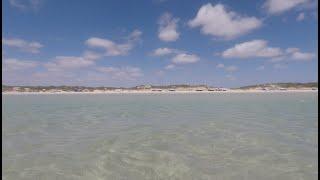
(279, 66)
(231, 68)
(135, 35)
(177, 56)
(72, 70)
(168, 28)
(170, 66)
(277, 59)
(61, 63)
(87, 76)
(296, 55)
(292, 50)
(164, 51)
(22, 45)
(251, 49)
(112, 48)
(220, 65)
(230, 77)
(54, 77)
(16, 71)
(300, 17)
(300, 56)
(184, 58)
(12, 64)
(310, 4)
(260, 49)
(160, 73)
(218, 22)
(123, 73)
(90, 55)
(280, 6)
(25, 4)
(260, 68)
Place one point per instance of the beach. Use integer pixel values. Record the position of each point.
(168, 92)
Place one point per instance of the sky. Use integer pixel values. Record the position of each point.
(126, 43)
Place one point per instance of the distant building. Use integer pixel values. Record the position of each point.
(16, 88)
(201, 88)
(144, 87)
(156, 90)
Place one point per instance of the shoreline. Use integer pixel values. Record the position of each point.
(164, 92)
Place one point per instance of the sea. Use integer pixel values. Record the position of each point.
(217, 136)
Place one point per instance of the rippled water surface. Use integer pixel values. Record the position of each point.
(198, 136)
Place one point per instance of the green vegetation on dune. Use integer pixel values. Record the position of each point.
(283, 85)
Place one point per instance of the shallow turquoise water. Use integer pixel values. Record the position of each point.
(197, 136)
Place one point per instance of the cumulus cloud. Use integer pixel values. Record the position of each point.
(218, 22)
(168, 28)
(295, 54)
(59, 74)
(135, 35)
(66, 70)
(279, 66)
(177, 56)
(231, 68)
(251, 49)
(74, 70)
(12, 64)
(260, 49)
(300, 17)
(230, 77)
(170, 66)
(292, 50)
(220, 65)
(300, 56)
(123, 73)
(164, 51)
(90, 55)
(260, 68)
(61, 63)
(159, 73)
(113, 49)
(25, 4)
(71, 70)
(22, 45)
(280, 6)
(185, 58)
(54, 77)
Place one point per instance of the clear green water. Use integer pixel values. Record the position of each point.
(199, 136)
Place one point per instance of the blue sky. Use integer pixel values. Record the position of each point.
(126, 43)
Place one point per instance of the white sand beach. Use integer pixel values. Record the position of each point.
(167, 92)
